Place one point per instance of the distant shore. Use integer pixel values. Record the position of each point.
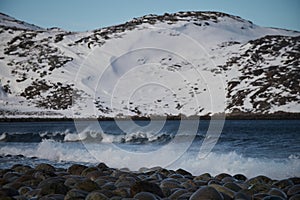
(231, 116)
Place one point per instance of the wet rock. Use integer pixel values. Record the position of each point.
(295, 180)
(157, 176)
(247, 192)
(145, 196)
(183, 172)
(166, 191)
(109, 186)
(122, 192)
(206, 193)
(96, 196)
(213, 181)
(45, 167)
(19, 197)
(53, 185)
(189, 184)
(242, 196)
(71, 181)
(260, 196)
(11, 176)
(21, 168)
(225, 196)
(76, 169)
(3, 181)
(75, 194)
(259, 180)
(102, 166)
(53, 197)
(87, 185)
(122, 184)
(144, 186)
(283, 183)
(32, 194)
(94, 175)
(118, 173)
(294, 190)
(176, 176)
(8, 192)
(125, 182)
(25, 178)
(295, 197)
(23, 190)
(228, 180)
(170, 183)
(177, 194)
(223, 190)
(273, 198)
(101, 181)
(185, 196)
(164, 172)
(219, 177)
(107, 193)
(43, 175)
(116, 198)
(233, 186)
(240, 177)
(89, 170)
(277, 192)
(6, 198)
(200, 183)
(203, 177)
(259, 188)
(14, 185)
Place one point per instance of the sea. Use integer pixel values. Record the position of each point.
(249, 147)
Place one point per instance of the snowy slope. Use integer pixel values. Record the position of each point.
(9, 22)
(191, 63)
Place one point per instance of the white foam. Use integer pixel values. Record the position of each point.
(214, 163)
(234, 163)
(3, 136)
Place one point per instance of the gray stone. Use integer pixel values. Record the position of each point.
(75, 194)
(45, 167)
(294, 190)
(145, 196)
(144, 186)
(295, 197)
(96, 196)
(277, 192)
(206, 193)
(76, 169)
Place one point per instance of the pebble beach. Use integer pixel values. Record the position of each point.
(100, 182)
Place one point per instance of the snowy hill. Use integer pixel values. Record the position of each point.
(190, 63)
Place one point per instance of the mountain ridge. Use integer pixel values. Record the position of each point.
(50, 73)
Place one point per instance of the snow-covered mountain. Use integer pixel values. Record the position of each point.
(190, 63)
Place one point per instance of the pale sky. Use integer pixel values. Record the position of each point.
(81, 15)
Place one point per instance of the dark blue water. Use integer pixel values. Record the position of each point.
(244, 145)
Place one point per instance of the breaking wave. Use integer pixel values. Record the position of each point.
(214, 163)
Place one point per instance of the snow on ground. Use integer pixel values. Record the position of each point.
(153, 68)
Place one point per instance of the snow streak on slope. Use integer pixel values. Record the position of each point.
(191, 63)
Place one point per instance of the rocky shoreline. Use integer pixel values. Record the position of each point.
(228, 116)
(101, 182)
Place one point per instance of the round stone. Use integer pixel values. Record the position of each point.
(294, 190)
(45, 167)
(145, 196)
(76, 169)
(206, 193)
(96, 196)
